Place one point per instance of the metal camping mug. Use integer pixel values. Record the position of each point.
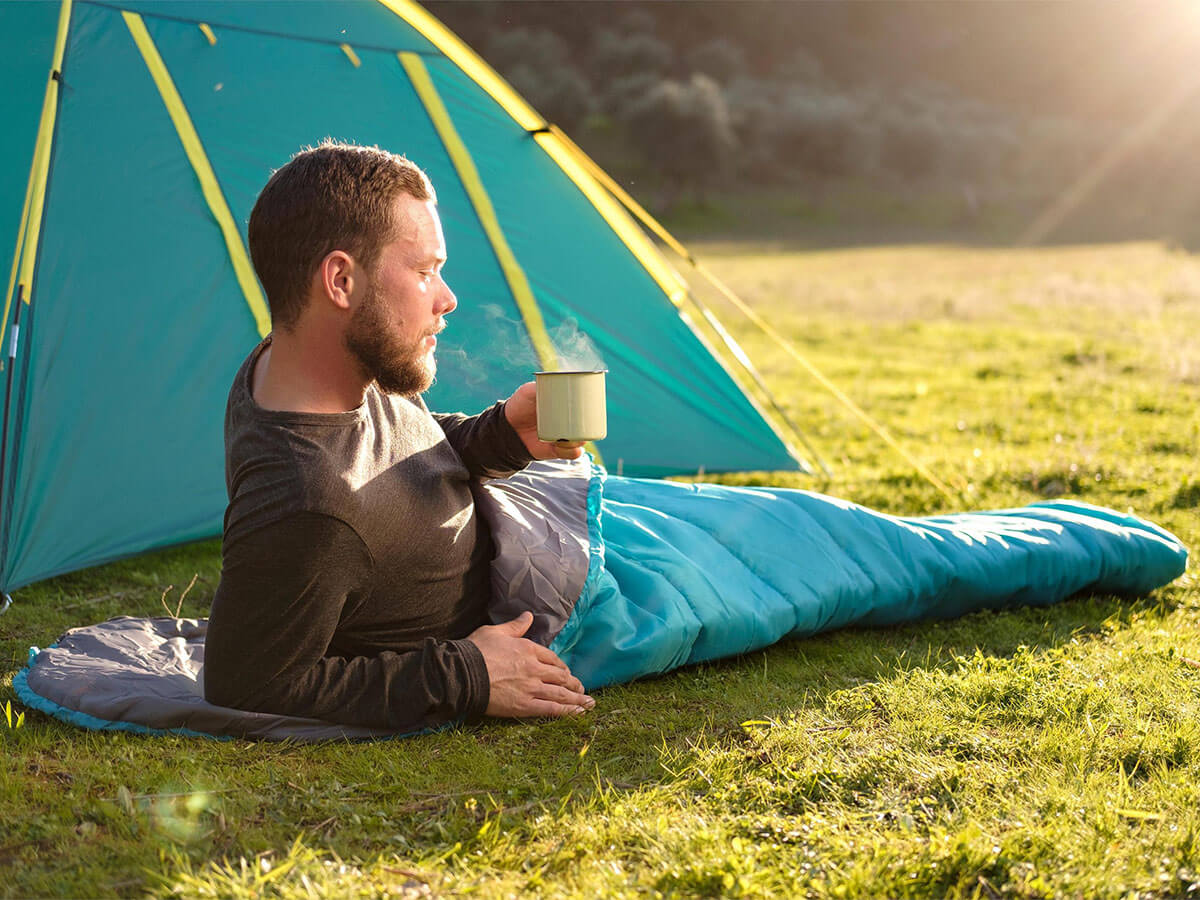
(571, 406)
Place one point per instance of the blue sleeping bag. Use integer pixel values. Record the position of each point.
(683, 573)
(627, 578)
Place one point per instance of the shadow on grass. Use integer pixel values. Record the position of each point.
(796, 676)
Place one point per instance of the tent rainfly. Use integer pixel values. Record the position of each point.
(137, 137)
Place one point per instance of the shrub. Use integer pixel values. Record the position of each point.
(719, 59)
(615, 57)
(538, 64)
(683, 130)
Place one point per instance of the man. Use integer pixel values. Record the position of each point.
(355, 575)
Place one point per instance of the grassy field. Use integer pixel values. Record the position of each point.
(1034, 753)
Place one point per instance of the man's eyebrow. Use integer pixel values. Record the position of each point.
(422, 260)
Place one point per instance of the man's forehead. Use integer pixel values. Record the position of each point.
(410, 213)
(417, 224)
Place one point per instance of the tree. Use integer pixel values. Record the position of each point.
(538, 64)
(683, 130)
(719, 59)
(616, 58)
(819, 133)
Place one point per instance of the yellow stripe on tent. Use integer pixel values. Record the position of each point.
(621, 194)
(204, 172)
(464, 165)
(483, 75)
(351, 55)
(25, 253)
(208, 33)
(466, 58)
(16, 263)
(627, 230)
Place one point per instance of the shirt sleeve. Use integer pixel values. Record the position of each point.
(486, 443)
(281, 595)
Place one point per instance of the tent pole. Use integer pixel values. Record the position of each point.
(12, 362)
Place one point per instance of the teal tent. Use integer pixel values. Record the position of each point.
(137, 137)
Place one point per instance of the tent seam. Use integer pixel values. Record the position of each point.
(210, 187)
(259, 31)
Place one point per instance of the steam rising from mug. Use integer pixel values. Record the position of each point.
(508, 339)
(575, 350)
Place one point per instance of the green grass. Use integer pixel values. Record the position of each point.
(1032, 753)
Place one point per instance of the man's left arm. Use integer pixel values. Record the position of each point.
(486, 442)
(503, 438)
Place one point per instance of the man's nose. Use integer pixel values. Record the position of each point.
(447, 302)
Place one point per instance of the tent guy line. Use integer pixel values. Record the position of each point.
(657, 228)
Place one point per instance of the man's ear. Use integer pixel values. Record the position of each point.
(336, 278)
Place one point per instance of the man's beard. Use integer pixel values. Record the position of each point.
(397, 368)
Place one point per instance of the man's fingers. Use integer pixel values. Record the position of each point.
(555, 675)
(564, 700)
(543, 708)
(518, 626)
(551, 674)
(533, 697)
(560, 676)
(546, 655)
(568, 451)
(565, 697)
(526, 678)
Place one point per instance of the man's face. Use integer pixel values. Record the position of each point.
(391, 333)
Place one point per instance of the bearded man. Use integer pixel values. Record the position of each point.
(355, 571)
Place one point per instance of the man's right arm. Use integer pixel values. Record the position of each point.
(282, 593)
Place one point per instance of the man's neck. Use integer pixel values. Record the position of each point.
(299, 375)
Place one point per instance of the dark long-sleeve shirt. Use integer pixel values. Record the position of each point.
(354, 565)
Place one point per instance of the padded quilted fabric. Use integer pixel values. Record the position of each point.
(147, 675)
(684, 573)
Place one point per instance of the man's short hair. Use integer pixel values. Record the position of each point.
(330, 197)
